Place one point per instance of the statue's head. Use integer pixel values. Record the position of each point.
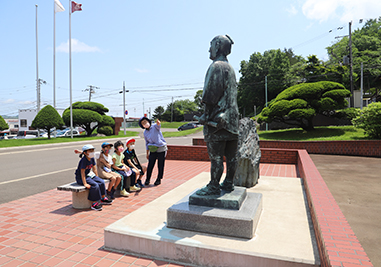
(220, 45)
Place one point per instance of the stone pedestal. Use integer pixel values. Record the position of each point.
(211, 215)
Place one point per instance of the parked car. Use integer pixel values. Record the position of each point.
(27, 134)
(67, 132)
(187, 126)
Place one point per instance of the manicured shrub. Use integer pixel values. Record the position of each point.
(369, 120)
(106, 130)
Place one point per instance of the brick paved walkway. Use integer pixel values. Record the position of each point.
(44, 230)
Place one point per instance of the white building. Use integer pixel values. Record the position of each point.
(26, 117)
(13, 125)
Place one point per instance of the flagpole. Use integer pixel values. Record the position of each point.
(71, 100)
(37, 77)
(54, 61)
(37, 84)
(54, 56)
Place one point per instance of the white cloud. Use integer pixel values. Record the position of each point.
(345, 10)
(292, 10)
(141, 70)
(76, 46)
(26, 102)
(8, 101)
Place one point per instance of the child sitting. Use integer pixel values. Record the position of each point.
(104, 163)
(132, 161)
(122, 169)
(90, 180)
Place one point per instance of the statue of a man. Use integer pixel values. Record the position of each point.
(221, 116)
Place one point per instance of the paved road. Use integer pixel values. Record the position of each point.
(356, 186)
(30, 170)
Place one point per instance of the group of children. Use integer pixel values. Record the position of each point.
(121, 167)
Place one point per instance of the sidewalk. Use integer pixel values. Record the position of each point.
(44, 230)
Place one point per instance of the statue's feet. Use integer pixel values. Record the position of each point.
(208, 191)
(227, 186)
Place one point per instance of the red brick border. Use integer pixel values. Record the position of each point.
(369, 148)
(338, 245)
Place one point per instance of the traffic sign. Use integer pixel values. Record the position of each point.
(126, 112)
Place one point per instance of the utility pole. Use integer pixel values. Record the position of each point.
(172, 110)
(124, 106)
(351, 64)
(267, 125)
(362, 85)
(91, 90)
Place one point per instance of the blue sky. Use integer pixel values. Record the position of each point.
(159, 48)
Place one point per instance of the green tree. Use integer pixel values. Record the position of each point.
(300, 103)
(275, 64)
(3, 124)
(47, 119)
(158, 113)
(180, 107)
(197, 100)
(366, 49)
(88, 115)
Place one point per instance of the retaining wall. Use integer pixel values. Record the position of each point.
(367, 148)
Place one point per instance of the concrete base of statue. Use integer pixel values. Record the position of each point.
(231, 214)
(284, 235)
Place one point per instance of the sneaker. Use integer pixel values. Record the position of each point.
(139, 182)
(134, 189)
(111, 193)
(124, 193)
(106, 201)
(157, 182)
(96, 206)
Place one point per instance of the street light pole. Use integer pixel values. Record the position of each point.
(124, 106)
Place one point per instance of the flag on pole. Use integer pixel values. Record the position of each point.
(58, 7)
(75, 7)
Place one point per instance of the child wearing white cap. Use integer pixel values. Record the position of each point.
(86, 175)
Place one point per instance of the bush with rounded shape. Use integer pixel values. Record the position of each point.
(3, 124)
(48, 118)
(106, 130)
(369, 120)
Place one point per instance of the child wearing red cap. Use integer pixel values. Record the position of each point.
(132, 161)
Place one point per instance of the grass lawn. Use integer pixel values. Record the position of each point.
(324, 133)
(182, 133)
(175, 124)
(41, 141)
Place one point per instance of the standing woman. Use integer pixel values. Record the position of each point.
(156, 148)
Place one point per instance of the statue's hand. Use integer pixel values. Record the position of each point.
(202, 119)
(221, 120)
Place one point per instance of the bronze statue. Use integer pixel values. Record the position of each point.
(221, 117)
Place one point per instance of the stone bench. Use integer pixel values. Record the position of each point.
(79, 194)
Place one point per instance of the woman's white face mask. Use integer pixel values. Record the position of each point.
(91, 155)
(132, 147)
